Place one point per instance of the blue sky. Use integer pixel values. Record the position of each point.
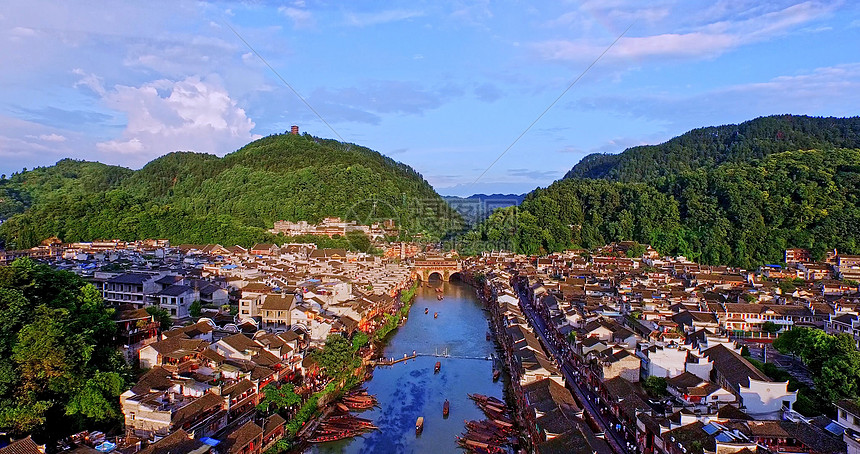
(444, 86)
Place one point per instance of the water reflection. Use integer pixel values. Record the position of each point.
(410, 389)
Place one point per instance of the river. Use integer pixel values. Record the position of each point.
(410, 389)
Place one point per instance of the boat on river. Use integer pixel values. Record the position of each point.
(435, 315)
(445, 408)
(426, 310)
(419, 425)
(438, 366)
(496, 374)
(439, 297)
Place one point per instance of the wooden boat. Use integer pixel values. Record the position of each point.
(426, 310)
(439, 297)
(342, 407)
(435, 315)
(445, 408)
(438, 366)
(496, 374)
(419, 425)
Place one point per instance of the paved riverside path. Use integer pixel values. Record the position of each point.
(617, 444)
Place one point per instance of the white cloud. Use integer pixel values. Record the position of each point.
(381, 17)
(91, 81)
(300, 17)
(131, 146)
(22, 32)
(704, 39)
(165, 116)
(52, 137)
(832, 90)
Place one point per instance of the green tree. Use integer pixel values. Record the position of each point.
(281, 398)
(359, 339)
(787, 287)
(636, 251)
(335, 355)
(770, 327)
(196, 309)
(97, 399)
(655, 386)
(833, 361)
(59, 368)
(161, 316)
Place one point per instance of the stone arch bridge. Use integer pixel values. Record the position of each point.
(424, 268)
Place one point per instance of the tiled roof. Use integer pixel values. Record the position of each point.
(179, 442)
(240, 437)
(22, 446)
(129, 278)
(735, 368)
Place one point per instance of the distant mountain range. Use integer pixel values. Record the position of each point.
(733, 194)
(200, 198)
(478, 207)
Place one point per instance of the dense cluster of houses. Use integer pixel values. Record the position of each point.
(581, 334)
(334, 226)
(261, 310)
(601, 324)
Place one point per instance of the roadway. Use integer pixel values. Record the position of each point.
(588, 398)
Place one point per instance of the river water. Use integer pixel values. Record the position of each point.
(410, 389)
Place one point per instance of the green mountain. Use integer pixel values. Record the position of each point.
(196, 197)
(711, 195)
(715, 145)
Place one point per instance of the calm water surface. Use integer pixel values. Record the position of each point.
(410, 389)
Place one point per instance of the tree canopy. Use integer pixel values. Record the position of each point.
(833, 361)
(59, 369)
(715, 145)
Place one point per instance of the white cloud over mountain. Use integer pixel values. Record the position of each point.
(164, 115)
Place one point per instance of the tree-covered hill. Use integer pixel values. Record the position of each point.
(739, 213)
(196, 197)
(712, 146)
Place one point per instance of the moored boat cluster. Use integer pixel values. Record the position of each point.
(341, 423)
(492, 435)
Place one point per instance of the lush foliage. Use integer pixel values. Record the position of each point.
(712, 146)
(406, 295)
(281, 398)
(655, 386)
(199, 198)
(741, 214)
(335, 356)
(196, 309)
(574, 212)
(162, 316)
(833, 361)
(302, 416)
(59, 370)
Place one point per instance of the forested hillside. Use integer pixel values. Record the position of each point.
(739, 213)
(712, 146)
(200, 198)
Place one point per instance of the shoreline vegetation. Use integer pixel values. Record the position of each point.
(351, 376)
